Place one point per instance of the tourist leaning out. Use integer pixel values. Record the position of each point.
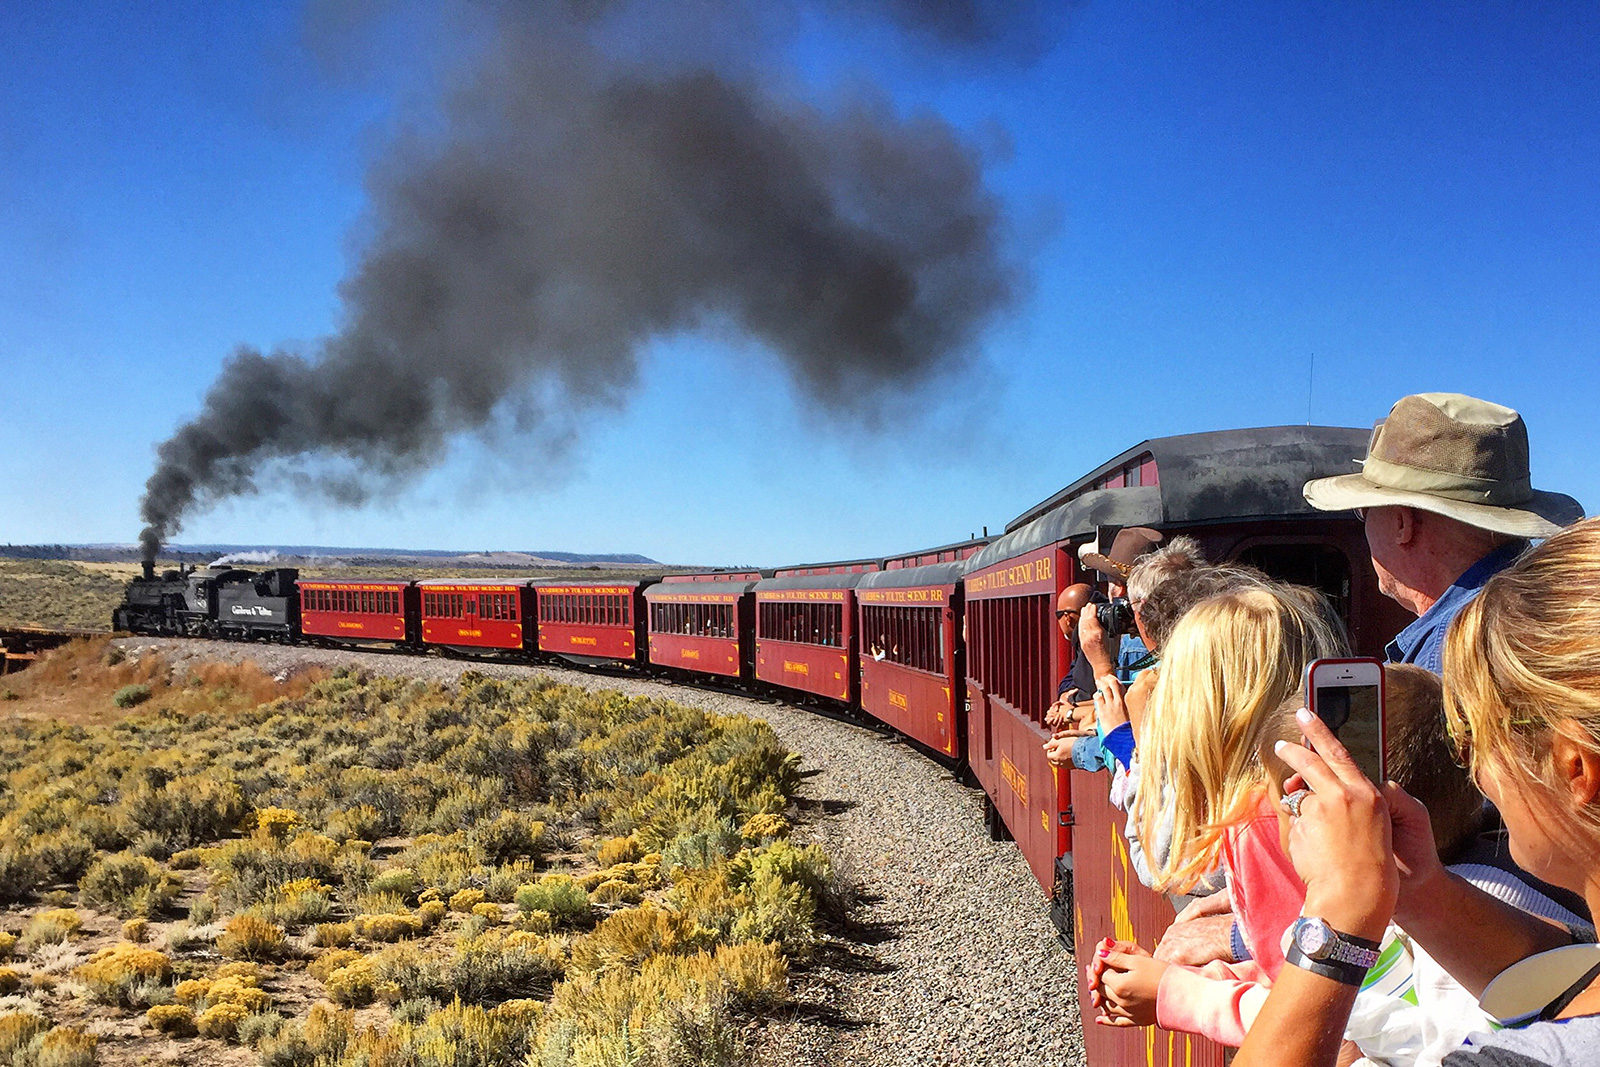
(1522, 690)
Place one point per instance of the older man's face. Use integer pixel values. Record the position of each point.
(1383, 542)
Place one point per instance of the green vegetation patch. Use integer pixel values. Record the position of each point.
(513, 871)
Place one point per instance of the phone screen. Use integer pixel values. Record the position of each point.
(1351, 712)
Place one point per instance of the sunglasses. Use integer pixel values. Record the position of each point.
(1063, 613)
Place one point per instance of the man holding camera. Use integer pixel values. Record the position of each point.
(1113, 626)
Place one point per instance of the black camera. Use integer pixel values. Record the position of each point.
(1116, 617)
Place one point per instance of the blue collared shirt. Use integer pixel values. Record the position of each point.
(1422, 642)
(1129, 653)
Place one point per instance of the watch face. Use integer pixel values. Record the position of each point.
(1314, 938)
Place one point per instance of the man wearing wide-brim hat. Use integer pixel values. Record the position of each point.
(1447, 501)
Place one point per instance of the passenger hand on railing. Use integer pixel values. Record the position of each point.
(1060, 713)
(1198, 941)
(1058, 750)
(1123, 979)
(1218, 903)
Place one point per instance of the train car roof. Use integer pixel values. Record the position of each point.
(814, 581)
(858, 566)
(730, 574)
(899, 559)
(902, 577)
(357, 581)
(476, 581)
(689, 589)
(1221, 476)
(634, 583)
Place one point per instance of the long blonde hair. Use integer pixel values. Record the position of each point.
(1229, 673)
(1522, 661)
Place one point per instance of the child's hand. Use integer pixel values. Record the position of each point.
(1127, 981)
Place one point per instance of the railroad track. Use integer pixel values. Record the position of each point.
(21, 645)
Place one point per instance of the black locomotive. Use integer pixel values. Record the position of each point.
(215, 601)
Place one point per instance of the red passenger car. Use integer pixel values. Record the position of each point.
(911, 654)
(359, 612)
(1236, 492)
(806, 629)
(704, 623)
(593, 621)
(472, 616)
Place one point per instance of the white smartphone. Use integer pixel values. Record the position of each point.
(1347, 694)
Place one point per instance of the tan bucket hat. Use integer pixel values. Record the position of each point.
(1456, 456)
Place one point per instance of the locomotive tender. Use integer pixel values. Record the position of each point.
(955, 648)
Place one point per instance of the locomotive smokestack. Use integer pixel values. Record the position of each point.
(588, 197)
(149, 570)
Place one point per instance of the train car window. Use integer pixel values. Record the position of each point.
(1322, 567)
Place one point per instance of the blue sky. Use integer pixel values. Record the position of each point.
(1204, 200)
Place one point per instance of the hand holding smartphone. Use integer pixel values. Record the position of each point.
(1347, 695)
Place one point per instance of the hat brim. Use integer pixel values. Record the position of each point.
(1105, 565)
(1542, 515)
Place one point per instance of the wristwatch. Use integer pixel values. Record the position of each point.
(1317, 947)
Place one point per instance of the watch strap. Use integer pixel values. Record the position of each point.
(1356, 951)
(1351, 974)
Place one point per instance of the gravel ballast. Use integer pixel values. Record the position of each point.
(950, 957)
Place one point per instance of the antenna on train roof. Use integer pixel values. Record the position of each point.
(1311, 378)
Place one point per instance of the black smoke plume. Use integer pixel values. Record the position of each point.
(590, 194)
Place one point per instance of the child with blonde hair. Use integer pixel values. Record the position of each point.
(1231, 668)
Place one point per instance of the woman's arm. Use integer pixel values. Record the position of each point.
(1341, 847)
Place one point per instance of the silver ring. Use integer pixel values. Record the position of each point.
(1292, 802)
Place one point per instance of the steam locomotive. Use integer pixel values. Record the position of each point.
(953, 647)
(214, 601)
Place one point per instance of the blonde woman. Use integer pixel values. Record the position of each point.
(1229, 675)
(1522, 687)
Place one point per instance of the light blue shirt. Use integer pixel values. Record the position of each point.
(1422, 642)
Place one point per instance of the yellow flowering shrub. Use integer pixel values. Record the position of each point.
(123, 974)
(221, 1021)
(250, 937)
(388, 927)
(466, 899)
(67, 1046)
(174, 1020)
(332, 935)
